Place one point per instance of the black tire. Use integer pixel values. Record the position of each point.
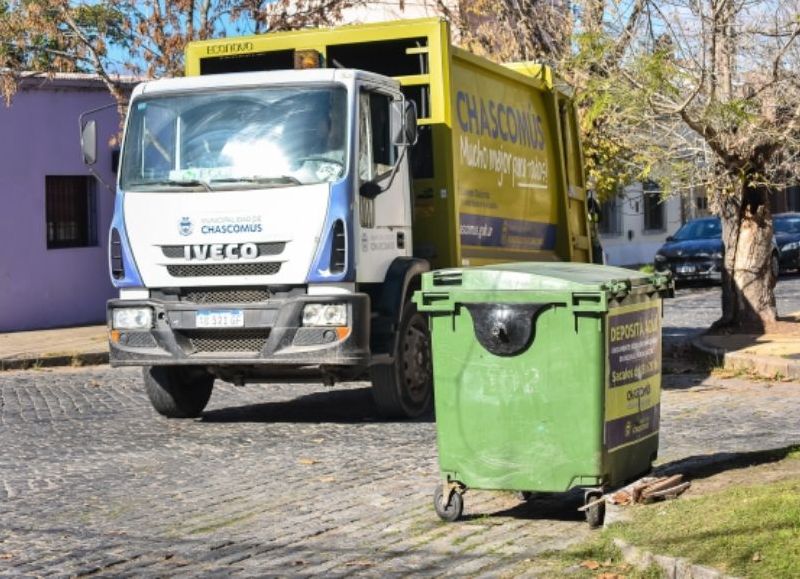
(596, 514)
(177, 391)
(452, 511)
(405, 388)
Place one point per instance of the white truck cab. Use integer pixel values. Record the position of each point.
(253, 211)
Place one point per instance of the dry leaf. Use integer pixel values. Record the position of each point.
(591, 565)
(317, 440)
(610, 576)
(756, 557)
(6, 556)
(327, 479)
(307, 461)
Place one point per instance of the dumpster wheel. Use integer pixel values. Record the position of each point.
(448, 501)
(596, 512)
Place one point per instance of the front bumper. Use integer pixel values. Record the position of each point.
(272, 335)
(695, 269)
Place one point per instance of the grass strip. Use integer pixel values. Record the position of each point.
(751, 531)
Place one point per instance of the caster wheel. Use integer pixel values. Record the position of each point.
(451, 510)
(596, 514)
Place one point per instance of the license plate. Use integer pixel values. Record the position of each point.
(220, 319)
(687, 269)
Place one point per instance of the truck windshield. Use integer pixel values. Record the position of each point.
(242, 139)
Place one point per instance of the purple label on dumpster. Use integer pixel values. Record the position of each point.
(633, 373)
(634, 346)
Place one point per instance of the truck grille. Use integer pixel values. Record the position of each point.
(227, 341)
(272, 248)
(225, 295)
(138, 340)
(226, 269)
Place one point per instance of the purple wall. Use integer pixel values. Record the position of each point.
(41, 288)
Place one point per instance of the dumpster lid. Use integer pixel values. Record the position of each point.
(544, 276)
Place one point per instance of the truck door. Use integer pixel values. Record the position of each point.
(383, 230)
(576, 188)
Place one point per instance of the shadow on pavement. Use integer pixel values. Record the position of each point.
(707, 465)
(549, 506)
(338, 406)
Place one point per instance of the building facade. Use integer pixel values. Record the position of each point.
(638, 221)
(55, 213)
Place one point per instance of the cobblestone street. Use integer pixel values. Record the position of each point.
(290, 479)
(273, 479)
(94, 481)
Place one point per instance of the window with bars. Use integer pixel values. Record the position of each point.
(71, 211)
(653, 207)
(610, 217)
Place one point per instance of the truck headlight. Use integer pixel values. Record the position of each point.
(325, 315)
(132, 319)
(659, 258)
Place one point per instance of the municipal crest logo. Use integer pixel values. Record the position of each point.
(185, 226)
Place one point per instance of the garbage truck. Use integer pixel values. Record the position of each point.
(276, 207)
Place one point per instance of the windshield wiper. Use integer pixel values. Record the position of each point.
(279, 180)
(176, 183)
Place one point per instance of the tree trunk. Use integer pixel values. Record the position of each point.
(748, 280)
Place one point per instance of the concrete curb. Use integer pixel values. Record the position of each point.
(51, 360)
(673, 567)
(766, 366)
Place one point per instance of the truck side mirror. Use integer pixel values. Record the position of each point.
(89, 142)
(411, 132)
(404, 123)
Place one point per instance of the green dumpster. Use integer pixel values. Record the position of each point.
(547, 377)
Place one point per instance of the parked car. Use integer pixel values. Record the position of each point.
(695, 251)
(787, 234)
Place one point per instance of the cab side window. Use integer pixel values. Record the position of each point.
(376, 151)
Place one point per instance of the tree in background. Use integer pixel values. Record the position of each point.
(705, 93)
(55, 36)
(512, 30)
(143, 38)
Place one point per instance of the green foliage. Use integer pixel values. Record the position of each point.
(733, 113)
(101, 22)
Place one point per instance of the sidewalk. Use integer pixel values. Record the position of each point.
(59, 347)
(769, 355)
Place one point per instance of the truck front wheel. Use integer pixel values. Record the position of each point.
(177, 391)
(404, 389)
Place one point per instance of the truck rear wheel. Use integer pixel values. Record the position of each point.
(177, 391)
(404, 389)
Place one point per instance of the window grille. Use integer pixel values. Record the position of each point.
(70, 211)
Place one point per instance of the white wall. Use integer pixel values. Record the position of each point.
(632, 244)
